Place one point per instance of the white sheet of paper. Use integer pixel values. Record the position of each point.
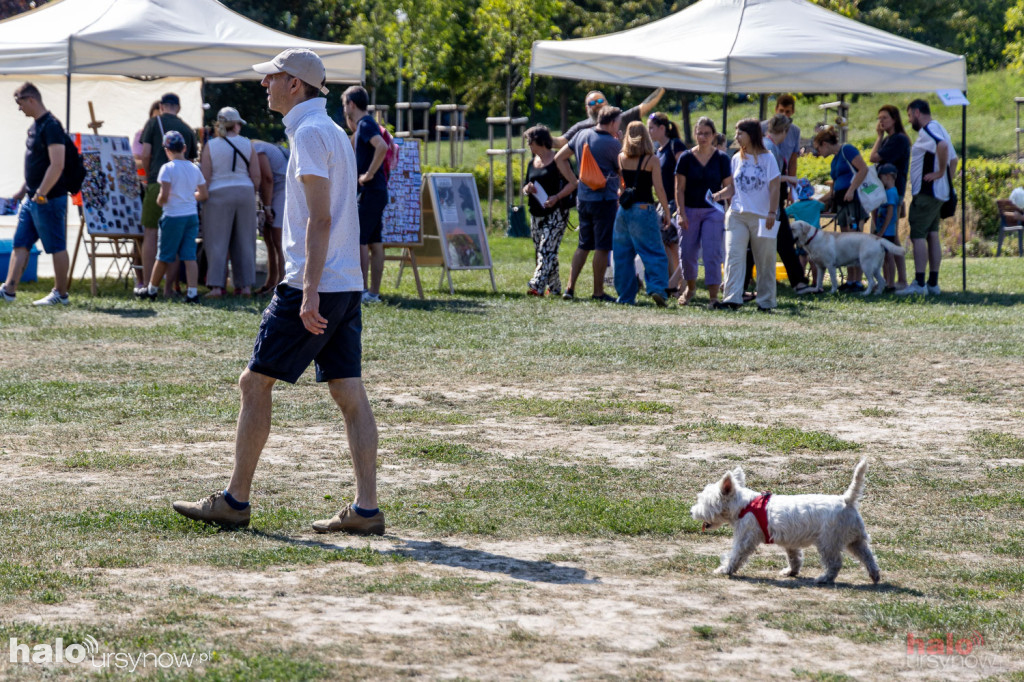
(714, 204)
(541, 195)
(762, 229)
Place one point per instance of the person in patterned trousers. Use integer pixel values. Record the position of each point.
(549, 186)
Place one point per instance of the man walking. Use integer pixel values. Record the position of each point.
(315, 313)
(596, 207)
(372, 191)
(930, 156)
(595, 102)
(44, 196)
(153, 158)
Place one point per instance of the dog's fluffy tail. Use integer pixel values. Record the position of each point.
(856, 488)
(892, 248)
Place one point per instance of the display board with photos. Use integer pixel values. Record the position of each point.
(456, 209)
(402, 225)
(111, 191)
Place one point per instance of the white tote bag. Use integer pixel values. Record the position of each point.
(871, 192)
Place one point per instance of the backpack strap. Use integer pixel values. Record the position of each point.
(235, 154)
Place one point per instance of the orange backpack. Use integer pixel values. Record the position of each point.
(590, 172)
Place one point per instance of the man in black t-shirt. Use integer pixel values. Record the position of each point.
(596, 101)
(42, 215)
(372, 191)
(153, 158)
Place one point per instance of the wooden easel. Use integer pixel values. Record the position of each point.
(406, 257)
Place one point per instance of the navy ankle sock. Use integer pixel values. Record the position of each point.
(919, 278)
(365, 513)
(233, 503)
(933, 279)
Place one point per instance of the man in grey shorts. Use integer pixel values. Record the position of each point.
(315, 313)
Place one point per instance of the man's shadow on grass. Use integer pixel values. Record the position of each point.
(128, 313)
(434, 552)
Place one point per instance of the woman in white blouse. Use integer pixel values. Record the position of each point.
(232, 171)
(751, 218)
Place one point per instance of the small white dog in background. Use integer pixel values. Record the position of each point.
(831, 250)
(829, 522)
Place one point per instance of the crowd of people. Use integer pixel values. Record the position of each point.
(203, 204)
(642, 195)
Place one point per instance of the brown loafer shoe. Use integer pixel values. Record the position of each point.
(348, 521)
(214, 510)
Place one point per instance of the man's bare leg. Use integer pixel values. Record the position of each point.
(376, 266)
(600, 266)
(361, 430)
(934, 252)
(579, 259)
(61, 264)
(15, 268)
(252, 431)
(149, 246)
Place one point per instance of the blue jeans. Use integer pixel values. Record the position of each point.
(44, 222)
(637, 232)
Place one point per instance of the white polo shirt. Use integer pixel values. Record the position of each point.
(319, 147)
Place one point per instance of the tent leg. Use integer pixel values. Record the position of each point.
(725, 114)
(67, 117)
(963, 194)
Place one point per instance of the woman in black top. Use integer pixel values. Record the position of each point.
(893, 146)
(548, 218)
(665, 134)
(637, 225)
(701, 226)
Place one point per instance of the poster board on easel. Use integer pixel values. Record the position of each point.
(454, 225)
(111, 203)
(402, 226)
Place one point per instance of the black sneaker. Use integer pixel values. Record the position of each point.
(194, 300)
(604, 298)
(723, 305)
(764, 310)
(569, 295)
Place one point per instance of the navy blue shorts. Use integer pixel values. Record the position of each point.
(45, 222)
(284, 348)
(597, 222)
(371, 203)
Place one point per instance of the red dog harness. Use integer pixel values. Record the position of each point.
(816, 231)
(759, 508)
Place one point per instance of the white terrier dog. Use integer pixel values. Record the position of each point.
(829, 522)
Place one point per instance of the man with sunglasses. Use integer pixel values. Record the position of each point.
(596, 101)
(44, 209)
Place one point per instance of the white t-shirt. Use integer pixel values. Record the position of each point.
(184, 177)
(926, 143)
(319, 147)
(230, 168)
(751, 179)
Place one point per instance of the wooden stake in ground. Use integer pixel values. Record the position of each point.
(93, 123)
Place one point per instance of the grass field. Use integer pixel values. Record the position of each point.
(537, 465)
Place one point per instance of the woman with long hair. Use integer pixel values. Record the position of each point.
(893, 146)
(848, 172)
(700, 170)
(751, 218)
(665, 134)
(230, 164)
(637, 230)
(549, 218)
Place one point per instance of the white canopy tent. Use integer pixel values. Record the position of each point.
(112, 50)
(753, 46)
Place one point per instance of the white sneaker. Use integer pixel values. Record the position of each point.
(4, 296)
(369, 297)
(934, 289)
(53, 298)
(913, 288)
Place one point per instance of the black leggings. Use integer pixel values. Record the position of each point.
(784, 245)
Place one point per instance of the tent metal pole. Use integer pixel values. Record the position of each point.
(725, 113)
(67, 117)
(963, 193)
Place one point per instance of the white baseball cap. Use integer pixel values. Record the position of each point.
(230, 115)
(300, 63)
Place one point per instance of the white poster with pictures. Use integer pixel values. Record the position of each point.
(111, 191)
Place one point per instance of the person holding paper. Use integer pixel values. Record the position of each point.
(751, 218)
(700, 172)
(549, 185)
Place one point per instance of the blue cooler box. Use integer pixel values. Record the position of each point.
(6, 246)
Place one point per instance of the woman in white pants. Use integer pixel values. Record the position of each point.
(751, 218)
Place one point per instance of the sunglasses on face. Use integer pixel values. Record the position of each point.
(595, 102)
